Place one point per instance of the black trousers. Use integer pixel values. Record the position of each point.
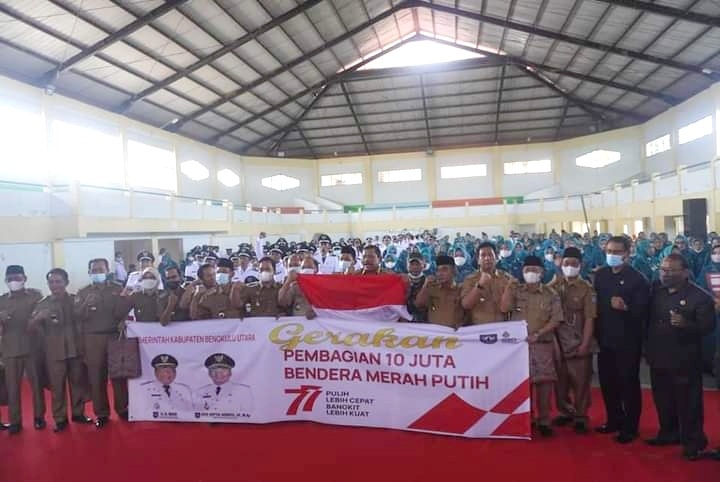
(618, 371)
(678, 399)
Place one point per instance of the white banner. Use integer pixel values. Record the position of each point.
(473, 382)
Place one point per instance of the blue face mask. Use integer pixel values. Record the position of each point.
(614, 260)
(98, 278)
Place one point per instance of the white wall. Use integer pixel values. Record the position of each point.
(476, 187)
(571, 179)
(399, 192)
(575, 179)
(345, 195)
(520, 184)
(257, 195)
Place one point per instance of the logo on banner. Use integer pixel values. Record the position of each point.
(305, 399)
(489, 339)
(507, 339)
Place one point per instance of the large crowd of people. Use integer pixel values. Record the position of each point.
(622, 298)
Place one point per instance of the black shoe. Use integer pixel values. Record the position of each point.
(39, 424)
(581, 428)
(662, 441)
(691, 455)
(100, 422)
(714, 455)
(124, 416)
(607, 428)
(545, 431)
(4, 426)
(82, 419)
(562, 420)
(626, 438)
(14, 428)
(60, 427)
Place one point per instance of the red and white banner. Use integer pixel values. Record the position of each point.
(473, 382)
(356, 298)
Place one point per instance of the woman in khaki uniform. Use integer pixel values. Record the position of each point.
(149, 303)
(540, 307)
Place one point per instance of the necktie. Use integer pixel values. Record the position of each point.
(217, 391)
(167, 389)
(323, 258)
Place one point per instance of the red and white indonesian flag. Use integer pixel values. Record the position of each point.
(379, 298)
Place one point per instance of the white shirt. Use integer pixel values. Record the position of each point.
(191, 270)
(231, 398)
(240, 275)
(120, 271)
(280, 272)
(134, 279)
(329, 265)
(259, 248)
(177, 398)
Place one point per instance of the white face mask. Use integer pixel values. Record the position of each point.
(550, 257)
(505, 253)
(570, 271)
(293, 269)
(390, 264)
(266, 276)
(148, 284)
(531, 277)
(715, 258)
(307, 271)
(16, 285)
(222, 278)
(345, 265)
(459, 261)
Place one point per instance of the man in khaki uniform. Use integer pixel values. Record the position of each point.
(102, 312)
(575, 337)
(442, 295)
(291, 296)
(16, 308)
(540, 307)
(55, 318)
(213, 297)
(260, 298)
(175, 292)
(482, 291)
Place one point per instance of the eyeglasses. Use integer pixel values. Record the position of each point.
(669, 270)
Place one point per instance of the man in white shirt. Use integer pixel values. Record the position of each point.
(244, 268)
(327, 263)
(260, 245)
(276, 253)
(192, 267)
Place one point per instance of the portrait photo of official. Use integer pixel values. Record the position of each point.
(165, 394)
(222, 395)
